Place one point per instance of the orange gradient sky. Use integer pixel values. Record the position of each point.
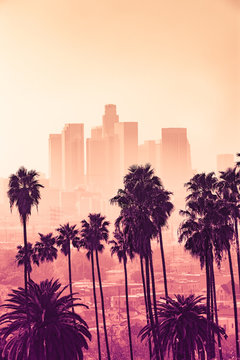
(163, 63)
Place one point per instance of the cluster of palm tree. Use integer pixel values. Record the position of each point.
(210, 228)
(184, 326)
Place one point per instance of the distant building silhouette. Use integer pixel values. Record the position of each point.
(176, 159)
(55, 160)
(73, 156)
(224, 161)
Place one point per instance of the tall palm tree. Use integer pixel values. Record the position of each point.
(32, 257)
(197, 230)
(46, 251)
(92, 233)
(229, 190)
(67, 236)
(53, 335)
(183, 327)
(123, 248)
(149, 204)
(24, 192)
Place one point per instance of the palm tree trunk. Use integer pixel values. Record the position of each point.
(163, 262)
(127, 307)
(96, 309)
(237, 248)
(146, 304)
(70, 273)
(215, 308)
(234, 303)
(208, 299)
(150, 308)
(25, 253)
(154, 300)
(103, 310)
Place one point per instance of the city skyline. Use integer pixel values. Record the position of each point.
(164, 65)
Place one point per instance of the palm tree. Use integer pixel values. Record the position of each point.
(67, 236)
(146, 201)
(24, 192)
(229, 190)
(92, 233)
(123, 248)
(198, 231)
(183, 327)
(46, 251)
(32, 257)
(53, 335)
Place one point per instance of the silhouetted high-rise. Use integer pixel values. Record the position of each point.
(176, 159)
(55, 160)
(73, 156)
(109, 119)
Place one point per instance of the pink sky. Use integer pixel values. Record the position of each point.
(163, 63)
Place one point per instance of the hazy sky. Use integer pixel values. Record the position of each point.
(163, 63)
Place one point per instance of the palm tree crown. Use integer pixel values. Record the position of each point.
(45, 247)
(182, 327)
(67, 235)
(53, 333)
(32, 256)
(24, 191)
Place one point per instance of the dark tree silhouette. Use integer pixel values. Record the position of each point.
(53, 335)
(182, 327)
(45, 249)
(24, 192)
(123, 248)
(67, 236)
(32, 257)
(92, 233)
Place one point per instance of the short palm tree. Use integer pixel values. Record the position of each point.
(92, 233)
(182, 327)
(24, 192)
(53, 334)
(32, 257)
(67, 236)
(122, 246)
(45, 249)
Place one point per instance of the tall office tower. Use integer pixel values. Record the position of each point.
(96, 160)
(147, 153)
(127, 145)
(176, 159)
(109, 119)
(73, 156)
(224, 161)
(55, 160)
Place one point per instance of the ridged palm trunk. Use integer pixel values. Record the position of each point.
(155, 340)
(103, 309)
(234, 302)
(70, 273)
(127, 308)
(215, 308)
(25, 253)
(95, 304)
(237, 248)
(146, 303)
(163, 263)
(208, 299)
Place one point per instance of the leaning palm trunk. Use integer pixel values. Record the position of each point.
(25, 254)
(146, 303)
(208, 299)
(234, 302)
(103, 310)
(163, 263)
(215, 308)
(96, 309)
(127, 307)
(237, 247)
(155, 340)
(70, 273)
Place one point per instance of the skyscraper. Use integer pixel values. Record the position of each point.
(109, 119)
(73, 156)
(176, 159)
(55, 160)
